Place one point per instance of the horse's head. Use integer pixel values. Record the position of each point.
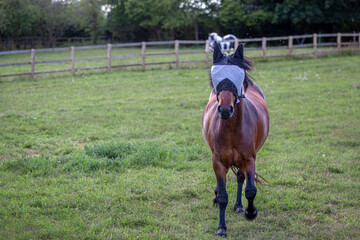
(228, 77)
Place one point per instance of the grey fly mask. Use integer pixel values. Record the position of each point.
(225, 75)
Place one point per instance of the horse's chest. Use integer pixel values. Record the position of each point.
(232, 148)
(229, 149)
(229, 156)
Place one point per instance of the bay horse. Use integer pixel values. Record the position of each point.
(235, 125)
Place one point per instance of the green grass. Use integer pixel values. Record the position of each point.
(120, 155)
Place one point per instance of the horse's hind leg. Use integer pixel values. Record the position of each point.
(250, 191)
(238, 208)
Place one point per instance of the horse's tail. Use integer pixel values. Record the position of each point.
(257, 176)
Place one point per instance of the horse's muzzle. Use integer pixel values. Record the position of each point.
(226, 112)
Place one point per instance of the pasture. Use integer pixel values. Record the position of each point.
(120, 155)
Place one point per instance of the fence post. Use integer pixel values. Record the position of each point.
(143, 48)
(32, 62)
(207, 52)
(291, 42)
(359, 40)
(109, 56)
(338, 42)
(177, 53)
(315, 45)
(236, 44)
(263, 47)
(72, 60)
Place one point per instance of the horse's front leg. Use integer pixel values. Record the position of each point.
(222, 196)
(250, 191)
(238, 208)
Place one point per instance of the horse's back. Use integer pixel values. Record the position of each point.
(254, 89)
(256, 97)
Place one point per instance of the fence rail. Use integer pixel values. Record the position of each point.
(313, 41)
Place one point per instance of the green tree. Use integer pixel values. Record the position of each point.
(200, 13)
(147, 14)
(54, 18)
(318, 15)
(175, 20)
(143, 20)
(118, 22)
(240, 17)
(91, 16)
(17, 19)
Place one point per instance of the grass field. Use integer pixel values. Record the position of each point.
(120, 155)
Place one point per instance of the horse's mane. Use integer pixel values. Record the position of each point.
(246, 63)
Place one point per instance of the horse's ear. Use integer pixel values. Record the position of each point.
(239, 53)
(218, 55)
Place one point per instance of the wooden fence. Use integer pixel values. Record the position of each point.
(311, 42)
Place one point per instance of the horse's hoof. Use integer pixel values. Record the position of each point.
(221, 232)
(239, 210)
(250, 215)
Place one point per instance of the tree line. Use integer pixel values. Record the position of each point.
(152, 20)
